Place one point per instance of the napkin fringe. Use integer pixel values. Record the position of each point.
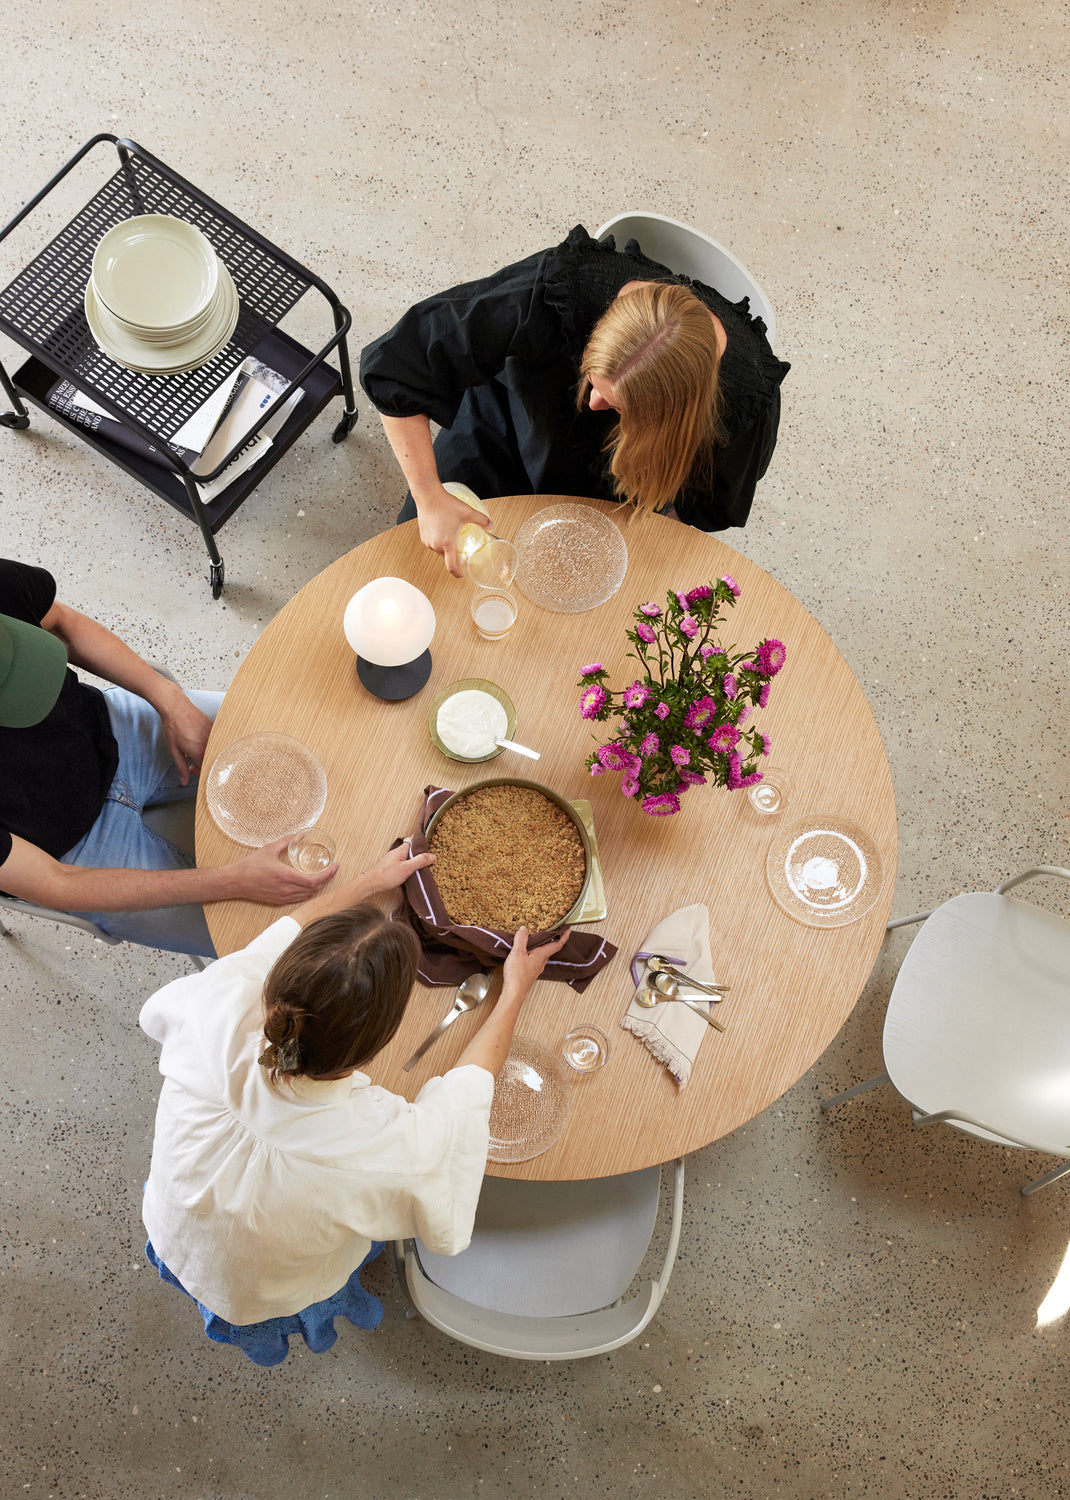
(678, 1065)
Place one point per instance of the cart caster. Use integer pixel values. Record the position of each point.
(217, 579)
(345, 427)
(13, 419)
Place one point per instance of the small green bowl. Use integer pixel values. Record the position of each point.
(466, 685)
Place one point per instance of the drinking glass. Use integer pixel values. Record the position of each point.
(586, 1048)
(773, 793)
(492, 565)
(311, 850)
(494, 613)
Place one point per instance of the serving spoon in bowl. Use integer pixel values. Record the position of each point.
(472, 992)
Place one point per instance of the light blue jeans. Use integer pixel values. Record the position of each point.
(147, 777)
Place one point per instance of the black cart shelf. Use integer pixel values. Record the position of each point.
(43, 311)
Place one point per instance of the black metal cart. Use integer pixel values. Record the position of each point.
(43, 311)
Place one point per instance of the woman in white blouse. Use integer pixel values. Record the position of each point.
(278, 1168)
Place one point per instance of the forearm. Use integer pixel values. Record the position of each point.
(74, 888)
(490, 1045)
(410, 439)
(93, 647)
(335, 898)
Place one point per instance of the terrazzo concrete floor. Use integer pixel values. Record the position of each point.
(854, 1309)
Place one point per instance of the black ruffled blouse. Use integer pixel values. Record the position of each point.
(495, 363)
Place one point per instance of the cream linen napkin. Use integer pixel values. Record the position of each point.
(674, 1032)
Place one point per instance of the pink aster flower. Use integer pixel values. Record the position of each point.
(614, 757)
(681, 599)
(591, 700)
(763, 695)
(732, 584)
(680, 756)
(700, 713)
(750, 780)
(731, 686)
(767, 744)
(645, 633)
(771, 657)
(689, 626)
(650, 745)
(662, 806)
(707, 651)
(629, 786)
(636, 695)
(591, 668)
(651, 610)
(745, 715)
(662, 710)
(692, 778)
(702, 592)
(597, 770)
(724, 738)
(735, 773)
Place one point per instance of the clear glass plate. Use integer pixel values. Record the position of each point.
(824, 870)
(572, 558)
(265, 787)
(532, 1102)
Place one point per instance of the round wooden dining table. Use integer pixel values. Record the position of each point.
(792, 986)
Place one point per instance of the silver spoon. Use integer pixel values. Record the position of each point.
(520, 749)
(648, 999)
(661, 965)
(471, 993)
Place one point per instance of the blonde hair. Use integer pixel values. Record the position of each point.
(657, 345)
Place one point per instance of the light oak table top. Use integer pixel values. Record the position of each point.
(792, 986)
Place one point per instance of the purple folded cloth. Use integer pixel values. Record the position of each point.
(451, 951)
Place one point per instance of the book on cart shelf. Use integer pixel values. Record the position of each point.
(206, 437)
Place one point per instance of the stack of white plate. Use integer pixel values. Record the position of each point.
(159, 299)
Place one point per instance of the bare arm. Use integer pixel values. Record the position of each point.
(386, 874)
(99, 650)
(490, 1045)
(440, 514)
(261, 876)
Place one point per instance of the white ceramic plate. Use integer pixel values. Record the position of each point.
(155, 271)
(150, 359)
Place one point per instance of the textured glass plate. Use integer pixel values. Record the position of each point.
(824, 871)
(465, 685)
(265, 787)
(572, 558)
(532, 1102)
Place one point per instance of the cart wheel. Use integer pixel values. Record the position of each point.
(13, 419)
(217, 579)
(345, 427)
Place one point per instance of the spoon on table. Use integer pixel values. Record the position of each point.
(648, 999)
(471, 993)
(520, 749)
(661, 965)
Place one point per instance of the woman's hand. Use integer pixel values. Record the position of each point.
(523, 967)
(441, 515)
(396, 866)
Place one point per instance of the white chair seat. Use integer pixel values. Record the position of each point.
(979, 1020)
(548, 1266)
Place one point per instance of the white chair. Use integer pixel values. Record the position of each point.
(689, 252)
(977, 1033)
(548, 1266)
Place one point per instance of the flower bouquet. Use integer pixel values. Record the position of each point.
(681, 722)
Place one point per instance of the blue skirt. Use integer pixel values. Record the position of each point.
(268, 1343)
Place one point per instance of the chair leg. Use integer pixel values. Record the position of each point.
(1031, 1187)
(859, 1088)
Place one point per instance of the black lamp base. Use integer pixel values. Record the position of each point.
(395, 683)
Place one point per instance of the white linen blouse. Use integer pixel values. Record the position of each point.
(264, 1198)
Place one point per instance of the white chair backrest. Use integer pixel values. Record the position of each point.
(691, 253)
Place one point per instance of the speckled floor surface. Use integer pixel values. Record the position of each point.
(853, 1312)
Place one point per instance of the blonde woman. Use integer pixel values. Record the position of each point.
(582, 370)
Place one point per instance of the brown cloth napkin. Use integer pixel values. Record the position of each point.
(451, 952)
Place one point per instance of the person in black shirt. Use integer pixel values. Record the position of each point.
(562, 374)
(77, 767)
